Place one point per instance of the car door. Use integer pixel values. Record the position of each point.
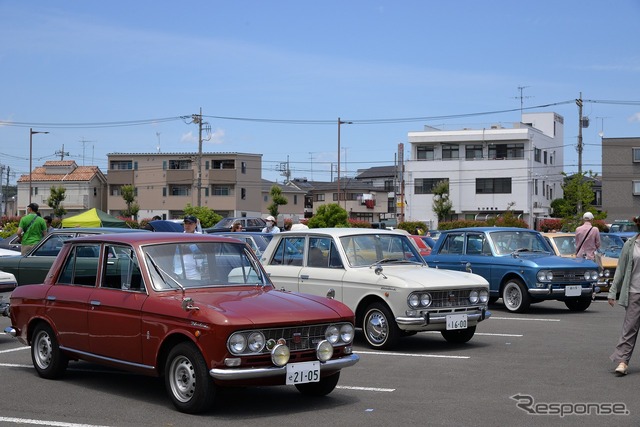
(286, 262)
(115, 317)
(67, 302)
(323, 269)
(449, 254)
(477, 254)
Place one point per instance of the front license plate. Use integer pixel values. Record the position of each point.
(303, 372)
(456, 321)
(573, 291)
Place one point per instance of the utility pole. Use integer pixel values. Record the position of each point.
(6, 190)
(579, 103)
(62, 153)
(197, 119)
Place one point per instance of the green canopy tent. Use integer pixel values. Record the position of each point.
(93, 218)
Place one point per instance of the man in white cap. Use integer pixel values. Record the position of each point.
(271, 226)
(587, 238)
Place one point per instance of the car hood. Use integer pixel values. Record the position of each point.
(546, 260)
(260, 306)
(419, 276)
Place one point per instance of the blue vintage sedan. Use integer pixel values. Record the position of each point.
(519, 266)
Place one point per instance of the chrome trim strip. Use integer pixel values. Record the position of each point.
(438, 318)
(230, 374)
(108, 359)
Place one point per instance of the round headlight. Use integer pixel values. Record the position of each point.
(332, 334)
(473, 297)
(425, 300)
(414, 300)
(346, 333)
(237, 343)
(324, 351)
(607, 273)
(541, 276)
(594, 275)
(255, 342)
(280, 355)
(484, 296)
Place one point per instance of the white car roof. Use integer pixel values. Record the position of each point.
(340, 232)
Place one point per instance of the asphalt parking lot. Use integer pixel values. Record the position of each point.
(549, 366)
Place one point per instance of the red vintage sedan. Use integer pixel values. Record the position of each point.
(197, 309)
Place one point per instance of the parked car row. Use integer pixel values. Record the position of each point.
(206, 311)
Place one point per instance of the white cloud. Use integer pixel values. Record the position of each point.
(634, 118)
(188, 138)
(217, 137)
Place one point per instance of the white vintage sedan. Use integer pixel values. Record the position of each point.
(381, 276)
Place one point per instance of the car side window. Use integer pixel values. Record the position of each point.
(318, 253)
(52, 246)
(81, 266)
(289, 252)
(475, 244)
(452, 245)
(123, 271)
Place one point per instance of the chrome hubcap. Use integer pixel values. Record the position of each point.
(377, 328)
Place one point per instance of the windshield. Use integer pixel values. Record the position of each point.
(368, 249)
(507, 242)
(566, 245)
(202, 264)
(611, 244)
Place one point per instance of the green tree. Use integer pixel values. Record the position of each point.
(129, 196)
(277, 199)
(329, 215)
(56, 197)
(441, 203)
(578, 197)
(207, 216)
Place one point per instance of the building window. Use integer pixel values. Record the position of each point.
(244, 167)
(535, 186)
(224, 164)
(95, 191)
(636, 188)
(180, 190)
(545, 157)
(206, 164)
(391, 205)
(121, 165)
(222, 190)
(243, 193)
(319, 197)
(388, 185)
(115, 190)
(179, 164)
(636, 154)
(164, 191)
(425, 152)
(425, 185)
(450, 151)
(206, 191)
(473, 152)
(506, 151)
(537, 154)
(493, 185)
(295, 199)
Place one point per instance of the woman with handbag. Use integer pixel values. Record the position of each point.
(587, 238)
(32, 228)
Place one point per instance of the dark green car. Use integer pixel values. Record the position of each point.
(33, 267)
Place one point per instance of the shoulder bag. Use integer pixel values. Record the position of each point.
(25, 230)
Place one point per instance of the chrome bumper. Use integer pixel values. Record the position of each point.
(274, 371)
(441, 318)
(558, 291)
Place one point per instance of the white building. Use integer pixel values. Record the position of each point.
(489, 170)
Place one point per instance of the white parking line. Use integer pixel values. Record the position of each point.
(45, 422)
(389, 353)
(346, 387)
(482, 333)
(525, 318)
(14, 365)
(14, 349)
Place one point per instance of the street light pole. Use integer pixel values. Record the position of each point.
(340, 122)
(31, 133)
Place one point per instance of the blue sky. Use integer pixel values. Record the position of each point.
(273, 77)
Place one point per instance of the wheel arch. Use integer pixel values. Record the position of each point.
(366, 302)
(169, 342)
(509, 276)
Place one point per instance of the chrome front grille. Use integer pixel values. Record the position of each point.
(449, 298)
(298, 337)
(568, 276)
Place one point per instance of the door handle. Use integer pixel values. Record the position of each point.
(304, 276)
(94, 302)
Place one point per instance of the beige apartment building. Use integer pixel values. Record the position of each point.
(165, 183)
